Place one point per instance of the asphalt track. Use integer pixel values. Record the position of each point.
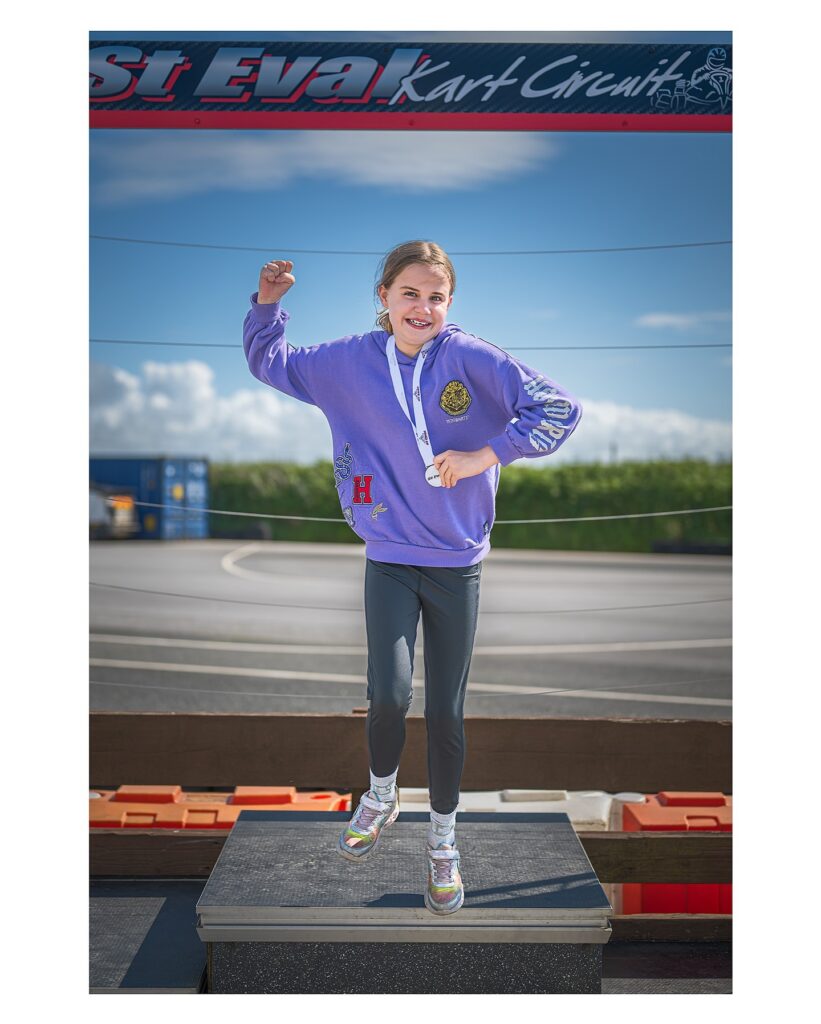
(246, 627)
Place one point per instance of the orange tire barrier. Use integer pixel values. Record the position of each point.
(172, 807)
(678, 812)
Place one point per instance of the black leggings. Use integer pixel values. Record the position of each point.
(448, 599)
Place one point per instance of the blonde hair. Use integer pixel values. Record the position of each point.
(418, 251)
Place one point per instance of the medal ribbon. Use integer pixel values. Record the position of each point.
(417, 421)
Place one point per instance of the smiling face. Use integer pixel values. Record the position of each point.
(418, 303)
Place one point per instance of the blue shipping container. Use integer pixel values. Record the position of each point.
(180, 484)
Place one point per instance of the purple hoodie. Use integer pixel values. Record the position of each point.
(473, 394)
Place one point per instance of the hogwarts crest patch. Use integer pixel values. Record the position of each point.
(455, 398)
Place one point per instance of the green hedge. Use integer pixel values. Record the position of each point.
(578, 489)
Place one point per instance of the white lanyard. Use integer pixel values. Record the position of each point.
(417, 421)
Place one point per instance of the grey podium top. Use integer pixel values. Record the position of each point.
(279, 878)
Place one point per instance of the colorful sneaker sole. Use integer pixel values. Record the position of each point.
(347, 852)
(445, 908)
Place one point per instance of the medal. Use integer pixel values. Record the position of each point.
(432, 476)
(417, 421)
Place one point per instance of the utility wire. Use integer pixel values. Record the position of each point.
(627, 515)
(358, 610)
(497, 522)
(252, 515)
(365, 252)
(512, 348)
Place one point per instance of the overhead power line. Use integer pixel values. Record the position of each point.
(498, 522)
(368, 252)
(512, 348)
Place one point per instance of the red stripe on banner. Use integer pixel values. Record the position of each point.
(408, 121)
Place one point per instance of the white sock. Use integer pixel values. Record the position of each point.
(442, 828)
(384, 786)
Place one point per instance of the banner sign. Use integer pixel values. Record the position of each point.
(417, 86)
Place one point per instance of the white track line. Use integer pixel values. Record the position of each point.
(223, 693)
(229, 560)
(612, 647)
(227, 670)
(418, 684)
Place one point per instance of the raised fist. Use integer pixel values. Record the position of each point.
(275, 279)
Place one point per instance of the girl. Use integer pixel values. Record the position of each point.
(418, 408)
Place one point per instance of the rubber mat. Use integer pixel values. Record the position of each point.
(519, 862)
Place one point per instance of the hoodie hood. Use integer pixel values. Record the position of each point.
(381, 338)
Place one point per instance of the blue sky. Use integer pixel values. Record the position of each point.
(474, 192)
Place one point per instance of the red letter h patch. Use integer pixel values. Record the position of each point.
(362, 490)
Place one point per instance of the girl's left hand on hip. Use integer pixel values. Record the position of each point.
(454, 466)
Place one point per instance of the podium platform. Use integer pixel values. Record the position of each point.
(283, 912)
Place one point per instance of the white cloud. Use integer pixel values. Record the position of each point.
(642, 434)
(681, 321)
(173, 408)
(169, 164)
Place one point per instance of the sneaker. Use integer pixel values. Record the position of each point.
(362, 834)
(445, 892)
